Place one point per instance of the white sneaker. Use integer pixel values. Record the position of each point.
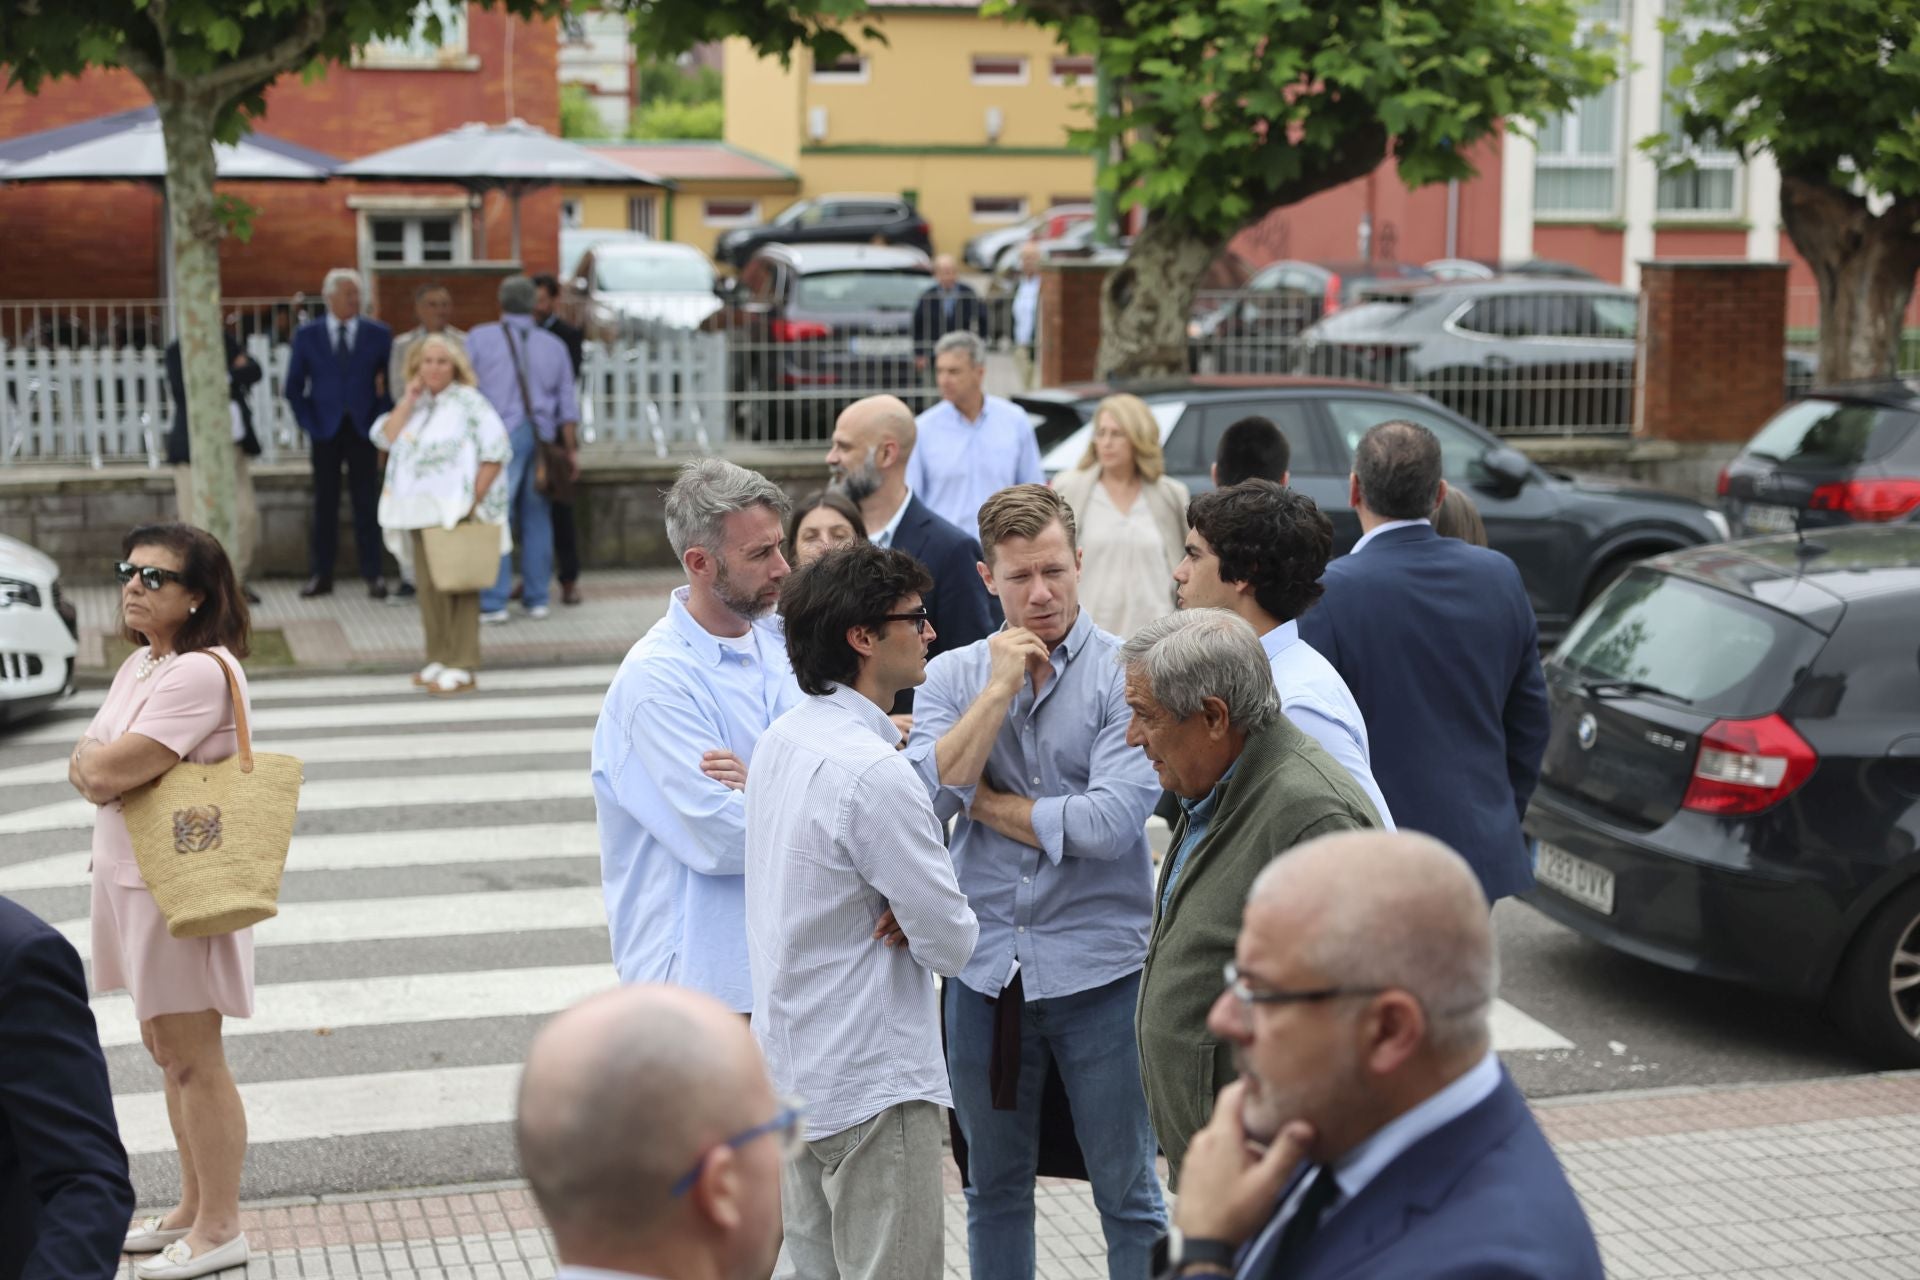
(429, 673)
(539, 611)
(495, 617)
(178, 1262)
(450, 681)
(148, 1236)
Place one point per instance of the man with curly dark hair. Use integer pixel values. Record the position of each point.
(1259, 549)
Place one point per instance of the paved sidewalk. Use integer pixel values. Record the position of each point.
(1819, 1178)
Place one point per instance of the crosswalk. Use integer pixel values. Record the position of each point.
(442, 897)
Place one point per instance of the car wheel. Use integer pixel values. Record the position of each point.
(1877, 996)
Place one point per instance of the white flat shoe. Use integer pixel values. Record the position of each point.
(450, 681)
(428, 674)
(148, 1236)
(178, 1262)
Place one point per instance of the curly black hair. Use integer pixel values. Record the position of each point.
(1276, 538)
(851, 586)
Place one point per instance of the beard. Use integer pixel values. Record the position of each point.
(729, 594)
(1269, 1104)
(860, 483)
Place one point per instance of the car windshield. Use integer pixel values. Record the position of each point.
(1830, 433)
(652, 273)
(1724, 655)
(862, 290)
(793, 213)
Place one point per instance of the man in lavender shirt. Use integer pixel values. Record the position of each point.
(527, 376)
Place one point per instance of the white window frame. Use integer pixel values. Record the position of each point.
(1600, 17)
(748, 219)
(1705, 159)
(412, 53)
(1017, 214)
(843, 75)
(411, 209)
(1019, 77)
(571, 214)
(1076, 78)
(643, 215)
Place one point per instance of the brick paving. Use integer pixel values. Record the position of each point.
(1812, 1179)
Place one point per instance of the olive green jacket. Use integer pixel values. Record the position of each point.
(1286, 790)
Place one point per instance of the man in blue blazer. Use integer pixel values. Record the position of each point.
(337, 386)
(65, 1199)
(1372, 1133)
(1437, 641)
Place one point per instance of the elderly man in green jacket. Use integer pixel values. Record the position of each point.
(1251, 786)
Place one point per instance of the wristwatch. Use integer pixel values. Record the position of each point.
(1192, 1255)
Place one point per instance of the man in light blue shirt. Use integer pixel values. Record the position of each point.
(1022, 737)
(971, 445)
(1259, 549)
(676, 736)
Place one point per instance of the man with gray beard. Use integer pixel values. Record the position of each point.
(872, 442)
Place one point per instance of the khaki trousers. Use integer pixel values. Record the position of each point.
(867, 1203)
(452, 622)
(246, 514)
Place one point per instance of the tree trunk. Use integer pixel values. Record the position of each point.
(1145, 303)
(1864, 266)
(187, 124)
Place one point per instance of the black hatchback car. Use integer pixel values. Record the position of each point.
(836, 219)
(1843, 455)
(1570, 537)
(1732, 785)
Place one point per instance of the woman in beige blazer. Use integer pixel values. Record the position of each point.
(1131, 516)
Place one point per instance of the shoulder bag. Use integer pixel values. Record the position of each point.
(553, 471)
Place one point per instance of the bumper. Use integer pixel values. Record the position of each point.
(1683, 901)
(37, 649)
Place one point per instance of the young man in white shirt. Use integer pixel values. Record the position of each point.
(851, 907)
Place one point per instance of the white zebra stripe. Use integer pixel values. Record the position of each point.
(419, 710)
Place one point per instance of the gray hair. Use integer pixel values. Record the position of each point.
(516, 295)
(339, 276)
(1197, 654)
(706, 493)
(962, 340)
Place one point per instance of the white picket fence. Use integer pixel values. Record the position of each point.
(99, 406)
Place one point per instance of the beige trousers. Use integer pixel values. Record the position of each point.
(246, 513)
(452, 622)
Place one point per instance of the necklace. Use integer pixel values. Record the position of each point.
(150, 664)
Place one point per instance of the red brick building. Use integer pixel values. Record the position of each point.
(102, 240)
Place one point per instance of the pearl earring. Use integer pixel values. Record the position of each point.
(193, 608)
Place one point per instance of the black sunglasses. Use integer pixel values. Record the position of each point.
(919, 620)
(151, 576)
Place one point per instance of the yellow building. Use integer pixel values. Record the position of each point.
(968, 115)
(712, 185)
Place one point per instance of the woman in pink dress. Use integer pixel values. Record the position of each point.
(169, 702)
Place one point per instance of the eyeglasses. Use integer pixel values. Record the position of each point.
(919, 620)
(1248, 997)
(151, 576)
(787, 1124)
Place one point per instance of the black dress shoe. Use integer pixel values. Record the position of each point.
(253, 597)
(316, 586)
(377, 588)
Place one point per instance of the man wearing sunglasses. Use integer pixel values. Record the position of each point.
(1372, 1131)
(652, 1139)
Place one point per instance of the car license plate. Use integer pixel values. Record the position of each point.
(1576, 878)
(1762, 518)
(870, 345)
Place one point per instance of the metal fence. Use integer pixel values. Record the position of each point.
(121, 324)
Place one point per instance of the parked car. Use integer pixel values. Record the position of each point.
(39, 632)
(575, 241)
(812, 328)
(1570, 537)
(637, 288)
(1843, 455)
(1514, 354)
(1250, 329)
(1475, 269)
(985, 251)
(1732, 786)
(855, 219)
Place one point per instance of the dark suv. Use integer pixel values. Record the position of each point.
(1843, 455)
(1732, 785)
(850, 219)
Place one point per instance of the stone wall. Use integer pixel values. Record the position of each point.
(1712, 359)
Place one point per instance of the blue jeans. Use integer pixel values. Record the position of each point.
(532, 518)
(1090, 1034)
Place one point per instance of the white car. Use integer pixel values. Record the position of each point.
(639, 289)
(37, 632)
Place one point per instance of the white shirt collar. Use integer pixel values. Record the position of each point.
(1367, 1161)
(883, 537)
(1281, 637)
(1377, 530)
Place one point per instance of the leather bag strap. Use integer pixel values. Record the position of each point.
(239, 712)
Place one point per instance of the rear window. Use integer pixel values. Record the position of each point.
(862, 290)
(1724, 655)
(1828, 433)
(1368, 317)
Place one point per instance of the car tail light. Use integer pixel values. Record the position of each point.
(924, 228)
(1331, 303)
(1745, 766)
(1869, 501)
(800, 330)
(1720, 485)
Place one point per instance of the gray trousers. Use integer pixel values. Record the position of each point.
(867, 1203)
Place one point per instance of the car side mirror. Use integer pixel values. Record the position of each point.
(1507, 469)
(725, 287)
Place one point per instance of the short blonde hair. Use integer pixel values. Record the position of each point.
(1022, 511)
(462, 367)
(1143, 433)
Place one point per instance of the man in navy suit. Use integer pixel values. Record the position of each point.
(65, 1199)
(946, 307)
(1372, 1132)
(871, 444)
(337, 386)
(1438, 643)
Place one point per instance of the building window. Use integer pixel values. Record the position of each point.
(438, 38)
(848, 69)
(998, 68)
(1711, 187)
(730, 213)
(999, 208)
(1577, 168)
(413, 240)
(641, 215)
(1070, 68)
(570, 213)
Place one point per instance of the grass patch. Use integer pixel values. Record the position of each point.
(270, 649)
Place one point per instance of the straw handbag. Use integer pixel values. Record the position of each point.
(211, 839)
(464, 558)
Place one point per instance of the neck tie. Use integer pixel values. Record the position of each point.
(1321, 1192)
(340, 348)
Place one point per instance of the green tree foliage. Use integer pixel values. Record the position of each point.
(578, 118)
(1828, 87)
(666, 118)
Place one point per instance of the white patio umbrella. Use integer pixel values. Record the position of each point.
(515, 158)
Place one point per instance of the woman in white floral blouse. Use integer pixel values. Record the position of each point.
(446, 447)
